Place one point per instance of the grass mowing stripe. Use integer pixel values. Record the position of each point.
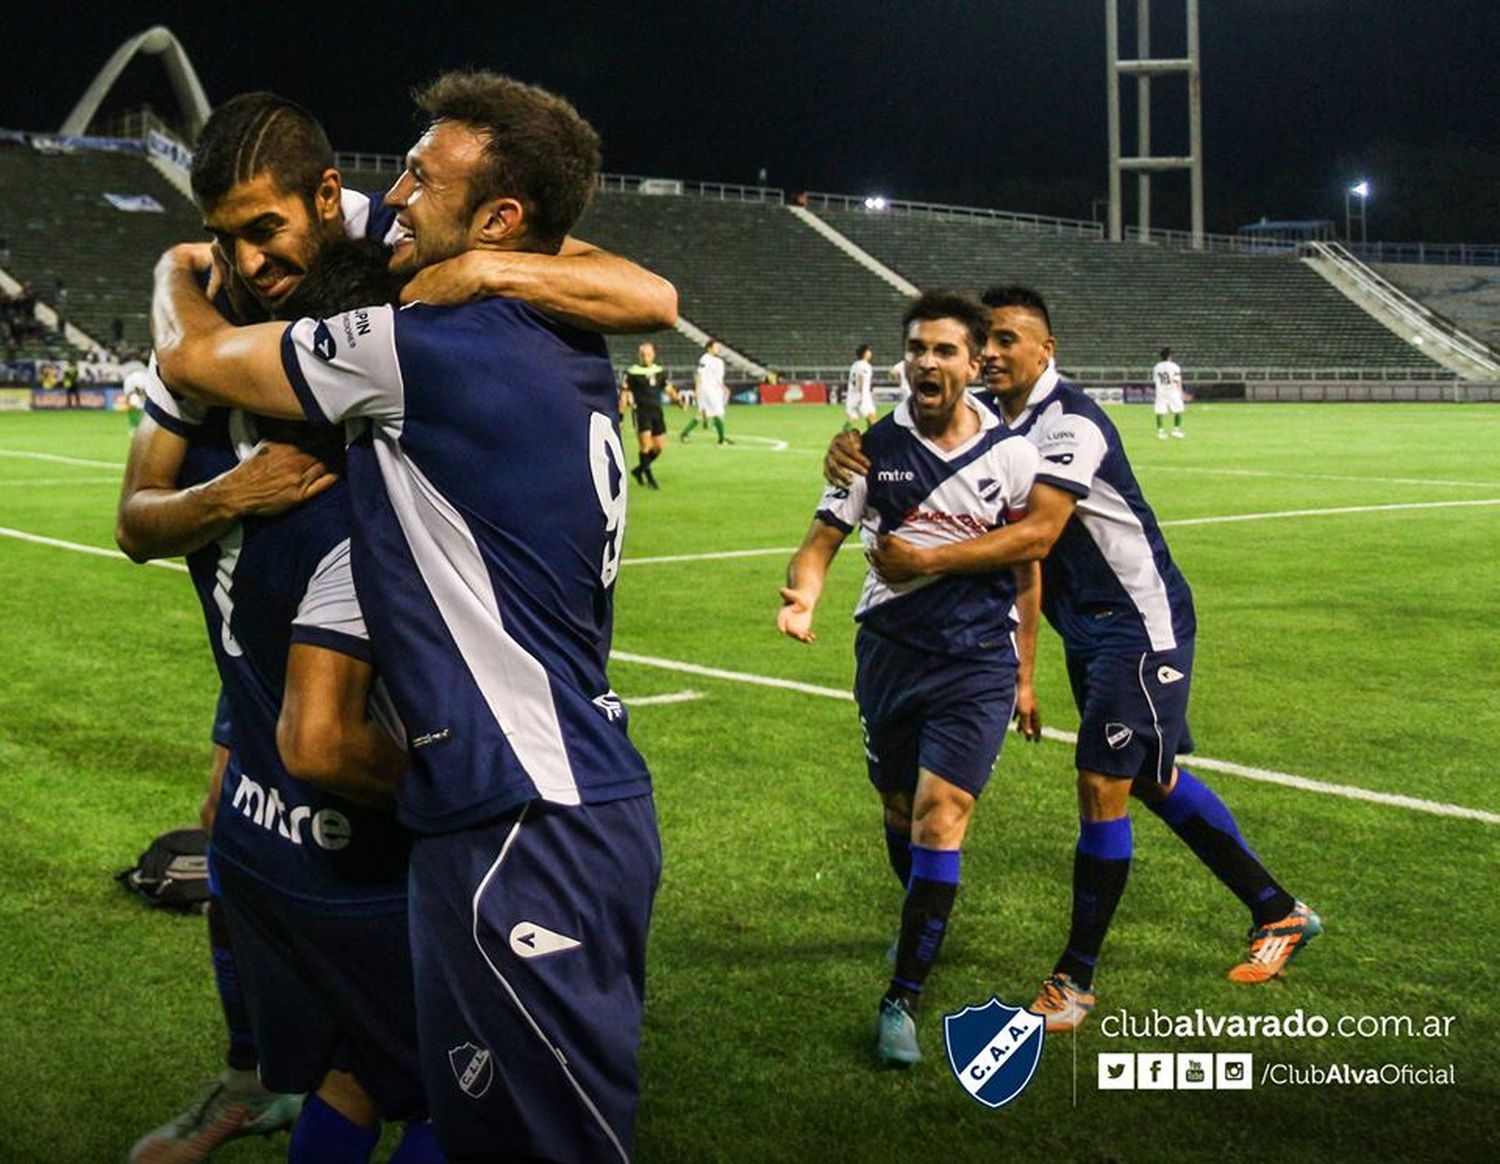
(1263, 775)
(1271, 474)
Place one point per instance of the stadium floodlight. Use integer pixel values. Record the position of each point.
(875, 202)
(1360, 190)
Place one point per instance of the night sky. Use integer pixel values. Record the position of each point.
(979, 102)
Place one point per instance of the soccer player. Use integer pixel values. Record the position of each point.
(488, 516)
(898, 370)
(307, 855)
(1125, 615)
(265, 180)
(942, 663)
(859, 394)
(1166, 376)
(641, 389)
(711, 394)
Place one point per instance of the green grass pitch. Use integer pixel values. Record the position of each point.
(1358, 649)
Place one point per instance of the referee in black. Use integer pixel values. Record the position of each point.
(642, 386)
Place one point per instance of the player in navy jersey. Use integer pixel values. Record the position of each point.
(1125, 615)
(943, 662)
(488, 483)
(264, 176)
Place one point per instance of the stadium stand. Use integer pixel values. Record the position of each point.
(1115, 303)
(58, 224)
(753, 275)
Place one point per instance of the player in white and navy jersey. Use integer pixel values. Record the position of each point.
(1166, 381)
(859, 392)
(1125, 615)
(487, 476)
(937, 658)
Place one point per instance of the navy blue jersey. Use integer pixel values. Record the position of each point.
(489, 496)
(933, 496)
(1110, 582)
(275, 582)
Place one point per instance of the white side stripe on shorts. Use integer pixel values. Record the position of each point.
(562, 1061)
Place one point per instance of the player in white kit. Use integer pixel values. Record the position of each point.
(1167, 379)
(710, 392)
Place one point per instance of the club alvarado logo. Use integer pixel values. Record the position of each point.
(993, 1050)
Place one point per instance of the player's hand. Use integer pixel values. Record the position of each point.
(276, 477)
(460, 279)
(795, 617)
(1028, 713)
(896, 560)
(844, 459)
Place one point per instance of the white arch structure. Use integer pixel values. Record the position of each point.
(157, 41)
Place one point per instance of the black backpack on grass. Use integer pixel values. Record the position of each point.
(173, 872)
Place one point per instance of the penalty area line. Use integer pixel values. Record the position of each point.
(1228, 767)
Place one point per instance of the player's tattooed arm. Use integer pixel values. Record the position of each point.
(1029, 608)
(581, 284)
(1028, 540)
(805, 575)
(844, 459)
(325, 734)
(156, 519)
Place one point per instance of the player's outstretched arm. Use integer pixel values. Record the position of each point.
(156, 519)
(1029, 609)
(582, 285)
(325, 735)
(201, 355)
(805, 575)
(844, 460)
(1028, 540)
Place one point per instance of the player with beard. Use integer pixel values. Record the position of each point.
(942, 663)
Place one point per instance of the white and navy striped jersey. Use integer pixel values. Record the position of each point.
(1109, 582)
(933, 496)
(489, 498)
(268, 584)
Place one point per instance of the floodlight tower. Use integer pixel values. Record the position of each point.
(1143, 67)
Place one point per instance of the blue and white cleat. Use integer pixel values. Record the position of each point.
(897, 1040)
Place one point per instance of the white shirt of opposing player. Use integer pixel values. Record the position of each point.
(898, 370)
(860, 400)
(984, 494)
(1167, 378)
(709, 384)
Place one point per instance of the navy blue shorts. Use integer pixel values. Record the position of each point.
(1132, 711)
(325, 990)
(529, 944)
(921, 710)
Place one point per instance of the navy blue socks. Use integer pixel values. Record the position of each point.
(1101, 864)
(924, 919)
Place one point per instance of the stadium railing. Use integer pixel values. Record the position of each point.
(1438, 254)
(1036, 223)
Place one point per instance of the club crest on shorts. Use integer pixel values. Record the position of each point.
(473, 1068)
(994, 1050)
(1117, 735)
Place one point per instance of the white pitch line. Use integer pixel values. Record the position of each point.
(669, 697)
(1263, 775)
(1330, 512)
(1318, 476)
(78, 548)
(63, 460)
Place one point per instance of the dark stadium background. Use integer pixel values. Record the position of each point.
(974, 102)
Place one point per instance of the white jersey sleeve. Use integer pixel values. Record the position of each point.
(1071, 448)
(843, 506)
(330, 604)
(346, 367)
(1021, 465)
(174, 412)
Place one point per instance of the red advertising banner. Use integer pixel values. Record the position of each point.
(796, 392)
